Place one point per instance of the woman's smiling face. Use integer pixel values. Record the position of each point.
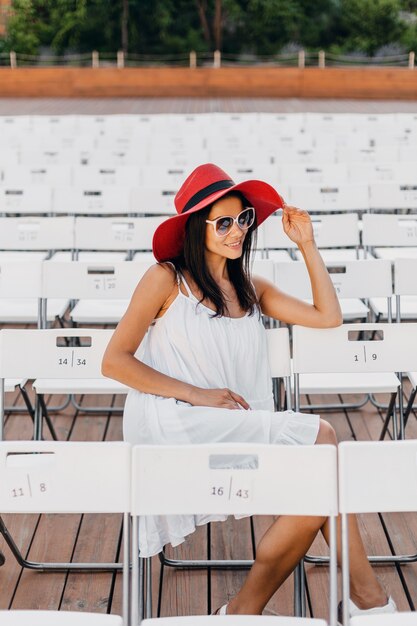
(231, 245)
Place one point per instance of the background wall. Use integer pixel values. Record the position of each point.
(347, 83)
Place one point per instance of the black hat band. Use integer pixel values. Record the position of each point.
(207, 191)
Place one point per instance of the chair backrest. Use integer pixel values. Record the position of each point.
(397, 619)
(227, 620)
(405, 271)
(37, 175)
(393, 195)
(115, 233)
(25, 199)
(353, 279)
(64, 477)
(234, 478)
(48, 353)
(375, 477)
(36, 233)
(389, 230)
(355, 348)
(336, 197)
(279, 352)
(98, 281)
(92, 200)
(58, 618)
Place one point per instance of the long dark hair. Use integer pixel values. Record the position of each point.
(192, 259)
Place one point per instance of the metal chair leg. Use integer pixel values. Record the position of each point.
(299, 590)
(34, 565)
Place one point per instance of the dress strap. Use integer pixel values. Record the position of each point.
(187, 288)
(177, 274)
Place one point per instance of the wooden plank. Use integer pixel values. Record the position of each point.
(185, 592)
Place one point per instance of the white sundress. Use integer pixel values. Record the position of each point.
(189, 344)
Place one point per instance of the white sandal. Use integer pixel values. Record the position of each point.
(221, 611)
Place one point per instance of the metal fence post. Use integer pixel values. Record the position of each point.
(322, 58)
(95, 60)
(120, 59)
(411, 60)
(217, 61)
(301, 58)
(193, 58)
(13, 60)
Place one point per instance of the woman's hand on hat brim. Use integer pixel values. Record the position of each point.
(297, 224)
(219, 398)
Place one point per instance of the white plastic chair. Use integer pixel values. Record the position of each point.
(353, 281)
(393, 195)
(92, 200)
(52, 360)
(26, 199)
(115, 233)
(103, 289)
(335, 197)
(217, 484)
(20, 291)
(354, 358)
(405, 290)
(67, 477)
(337, 236)
(390, 236)
(375, 477)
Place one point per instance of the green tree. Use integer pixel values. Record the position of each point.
(369, 24)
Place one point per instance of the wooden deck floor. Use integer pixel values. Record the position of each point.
(97, 537)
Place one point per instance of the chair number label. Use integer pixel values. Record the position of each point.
(72, 360)
(104, 283)
(365, 357)
(233, 489)
(29, 488)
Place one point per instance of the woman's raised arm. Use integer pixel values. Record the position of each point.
(325, 311)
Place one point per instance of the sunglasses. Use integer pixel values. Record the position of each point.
(223, 225)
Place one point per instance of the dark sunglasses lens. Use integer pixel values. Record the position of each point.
(246, 218)
(223, 225)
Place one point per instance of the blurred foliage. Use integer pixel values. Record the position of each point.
(251, 27)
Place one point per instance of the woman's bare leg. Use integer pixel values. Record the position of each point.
(365, 590)
(287, 541)
(278, 552)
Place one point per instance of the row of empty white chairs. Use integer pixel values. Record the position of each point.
(373, 231)
(239, 167)
(159, 199)
(46, 477)
(35, 291)
(354, 358)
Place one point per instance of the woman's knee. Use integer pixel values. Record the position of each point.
(326, 434)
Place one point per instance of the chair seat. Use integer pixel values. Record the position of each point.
(334, 383)
(91, 256)
(395, 253)
(25, 310)
(235, 620)
(353, 308)
(10, 384)
(336, 255)
(99, 311)
(408, 307)
(58, 618)
(95, 386)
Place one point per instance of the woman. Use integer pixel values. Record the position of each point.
(203, 371)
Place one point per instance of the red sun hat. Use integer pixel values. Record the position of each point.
(206, 184)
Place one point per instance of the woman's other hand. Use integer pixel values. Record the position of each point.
(297, 225)
(220, 398)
